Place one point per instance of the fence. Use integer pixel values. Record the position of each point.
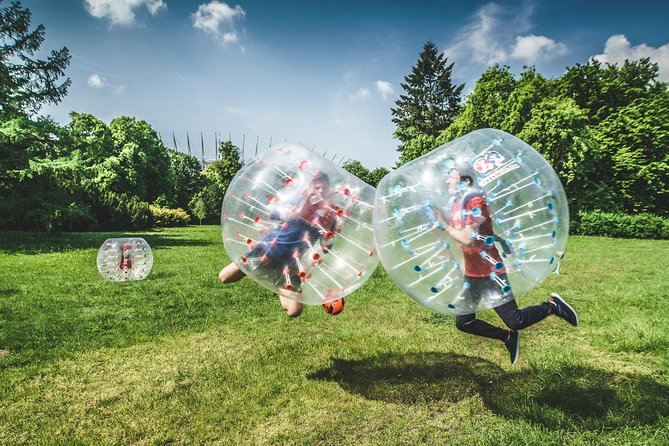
(178, 145)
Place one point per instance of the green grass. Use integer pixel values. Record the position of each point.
(182, 359)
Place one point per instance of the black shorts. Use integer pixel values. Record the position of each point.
(281, 271)
(489, 289)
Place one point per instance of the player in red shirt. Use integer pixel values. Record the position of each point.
(313, 219)
(481, 260)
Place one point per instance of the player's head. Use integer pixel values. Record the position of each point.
(320, 184)
(460, 176)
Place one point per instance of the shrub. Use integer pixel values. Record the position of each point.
(646, 226)
(166, 217)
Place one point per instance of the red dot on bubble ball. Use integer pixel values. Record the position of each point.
(371, 253)
(303, 164)
(289, 181)
(257, 220)
(289, 287)
(249, 241)
(302, 274)
(340, 212)
(244, 260)
(271, 198)
(329, 235)
(316, 256)
(347, 191)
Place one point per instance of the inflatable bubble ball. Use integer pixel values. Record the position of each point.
(122, 259)
(300, 225)
(472, 224)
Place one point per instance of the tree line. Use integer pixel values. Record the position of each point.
(604, 129)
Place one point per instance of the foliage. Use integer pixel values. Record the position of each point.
(166, 217)
(217, 177)
(186, 178)
(140, 164)
(199, 209)
(26, 82)
(119, 211)
(640, 226)
(429, 104)
(370, 177)
(485, 106)
(635, 140)
(376, 175)
(603, 90)
(603, 129)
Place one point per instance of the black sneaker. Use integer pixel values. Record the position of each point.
(513, 346)
(563, 309)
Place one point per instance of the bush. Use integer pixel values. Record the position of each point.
(646, 226)
(118, 211)
(166, 217)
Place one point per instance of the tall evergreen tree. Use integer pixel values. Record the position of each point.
(26, 82)
(429, 105)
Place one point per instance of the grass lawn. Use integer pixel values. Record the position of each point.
(182, 359)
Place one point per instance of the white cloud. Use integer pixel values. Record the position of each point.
(385, 88)
(121, 12)
(532, 49)
(96, 81)
(219, 20)
(361, 94)
(618, 49)
(497, 34)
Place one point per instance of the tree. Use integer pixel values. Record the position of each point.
(217, 177)
(357, 169)
(199, 209)
(487, 105)
(372, 177)
(603, 90)
(376, 175)
(186, 178)
(635, 140)
(430, 102)
(558, 130)
(26, 82)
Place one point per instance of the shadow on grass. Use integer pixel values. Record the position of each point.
(18, 242)
(413, 378)
(565, 397)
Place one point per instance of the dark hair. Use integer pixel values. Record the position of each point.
(467, 177)
(320, 177)
(466, 172)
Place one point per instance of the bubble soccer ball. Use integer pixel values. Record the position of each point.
(121, 259)
(514, 208)
(299, 225)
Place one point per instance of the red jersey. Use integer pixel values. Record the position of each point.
(475, 264)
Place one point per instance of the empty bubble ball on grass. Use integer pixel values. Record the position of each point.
(122, 259)
(516, 201)
(300, 225)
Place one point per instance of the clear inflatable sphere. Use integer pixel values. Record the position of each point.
(122, 259)
(472, 224)
(300, 225)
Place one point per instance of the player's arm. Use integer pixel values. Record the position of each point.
(464, 235)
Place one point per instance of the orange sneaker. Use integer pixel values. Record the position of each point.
(335, 307)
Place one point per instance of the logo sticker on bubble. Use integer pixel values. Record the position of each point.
(488, 162)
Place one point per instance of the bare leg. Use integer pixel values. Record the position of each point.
(292, 307)
(231, 273)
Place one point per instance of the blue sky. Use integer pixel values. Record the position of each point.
(321, 73)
